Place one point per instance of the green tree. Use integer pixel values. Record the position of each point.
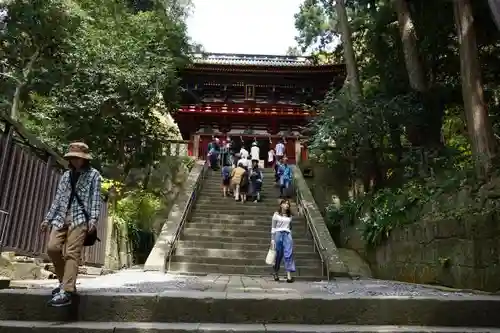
(34, 39)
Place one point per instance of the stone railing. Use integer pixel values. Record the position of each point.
(160, 255)
(323, 241)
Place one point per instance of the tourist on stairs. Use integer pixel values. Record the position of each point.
(277, 165)
(213, 153)
(73, 218)
(255, 152)
(270, 158)
(243, 153)
(285, 177)
(256, 178)
(236, 177)
(280, 149)
(245, 183)
(281, 240)
(226, 178)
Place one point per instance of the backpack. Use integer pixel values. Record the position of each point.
(244, 179)
(226, 173)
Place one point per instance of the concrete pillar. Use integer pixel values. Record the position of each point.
(196, 145)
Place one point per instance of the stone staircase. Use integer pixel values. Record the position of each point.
(228, 237)
(236, 298)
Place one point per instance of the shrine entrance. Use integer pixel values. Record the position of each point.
(263, 144)
(250, 97)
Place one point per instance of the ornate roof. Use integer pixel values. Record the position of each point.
(251, 60)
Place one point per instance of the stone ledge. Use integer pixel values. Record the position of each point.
(158, 256)
(137, 327)
(335, 265)
(246, 308)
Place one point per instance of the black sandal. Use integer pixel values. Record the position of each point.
(276, 277)
(291, 280)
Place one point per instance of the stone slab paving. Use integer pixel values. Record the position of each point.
(138, 281)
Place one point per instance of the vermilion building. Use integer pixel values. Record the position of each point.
(252, 97)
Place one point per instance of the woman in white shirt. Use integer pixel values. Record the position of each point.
(255, 152)
(281, 240)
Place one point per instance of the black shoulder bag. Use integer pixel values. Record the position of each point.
(91, 236)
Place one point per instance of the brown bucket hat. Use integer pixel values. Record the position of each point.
(78, 150)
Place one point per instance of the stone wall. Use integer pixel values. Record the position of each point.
(454, 253)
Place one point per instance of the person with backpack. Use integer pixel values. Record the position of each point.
(285, 177)
(213, 153)
(237, 175)
(256, 178)
(244, 185)
(226, 178)
(73, 218)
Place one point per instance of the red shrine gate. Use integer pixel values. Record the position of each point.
(252, 97)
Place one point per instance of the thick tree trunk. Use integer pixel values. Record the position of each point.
(428, 132)
(495, 11)
(352, 79)
(413, 63)
(478, 124)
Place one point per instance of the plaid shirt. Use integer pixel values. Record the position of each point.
(88, 189)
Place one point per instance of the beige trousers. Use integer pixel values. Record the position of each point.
(70, 239)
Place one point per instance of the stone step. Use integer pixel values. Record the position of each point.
(263, 270)
(234, 254)
(270, 204)
(265, 195)
(298, 228)
(218, 186)
(235, 207)
(263, 241)
(242, 261)
(218, 189)
(213, 243)
(232, 307)
(224, 232)
(136, 327)
(230, 203)
(231, 213)
(235, 219)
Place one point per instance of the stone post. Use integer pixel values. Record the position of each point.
(196, 146)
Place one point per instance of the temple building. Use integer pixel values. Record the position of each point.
(252, 98)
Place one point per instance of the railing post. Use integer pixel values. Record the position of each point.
(6, 150)
(45, 186)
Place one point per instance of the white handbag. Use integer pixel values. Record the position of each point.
(271, 257)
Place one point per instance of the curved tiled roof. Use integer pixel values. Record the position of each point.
(252, 60)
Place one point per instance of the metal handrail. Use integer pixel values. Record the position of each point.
(312, 228)
(4, 223)
(187, 210)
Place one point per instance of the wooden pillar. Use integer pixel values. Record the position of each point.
(298, 153)
(196, 146)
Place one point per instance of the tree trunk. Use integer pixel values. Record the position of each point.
(16, 100)
(414, 67)
(478, 124)
(352, 79)
(428, 131)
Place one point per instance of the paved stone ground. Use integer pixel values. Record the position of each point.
(152, 282)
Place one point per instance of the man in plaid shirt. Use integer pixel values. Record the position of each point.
(73, 214)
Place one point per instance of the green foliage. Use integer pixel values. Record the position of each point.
(137, 210)
(406, 154)
(105, 72)
(102, 72)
